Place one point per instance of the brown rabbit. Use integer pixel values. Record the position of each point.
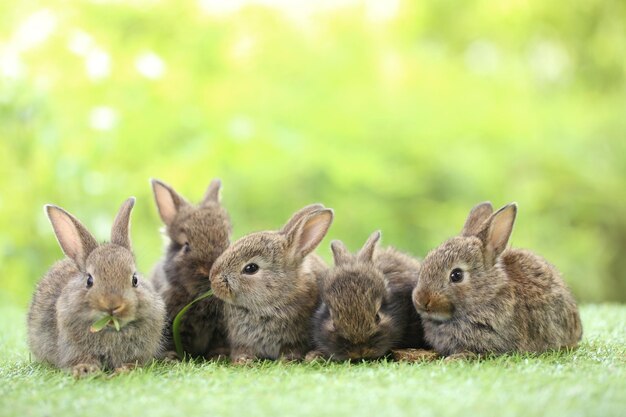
(95, 280)
(366, 307)
(197, 236)
(477, 296)
(269, 283)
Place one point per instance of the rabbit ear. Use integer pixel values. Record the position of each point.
(341, 255)
(167, 200)
(498, 230)
(366, 253)
(77, 243)
(477, 216)
(299, 215)
(304, 237)
(212, 194)
(120, 232)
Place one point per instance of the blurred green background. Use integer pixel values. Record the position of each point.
(400, 115)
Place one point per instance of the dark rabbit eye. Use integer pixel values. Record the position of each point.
(377, 318)
(250, 269)
(456, 275)
(89, 281)
(135, 280)
(186, 247)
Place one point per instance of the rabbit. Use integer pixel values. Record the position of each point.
(197, 236)
(95, 280)
(269, 282)
(366, 308)
(476, 297)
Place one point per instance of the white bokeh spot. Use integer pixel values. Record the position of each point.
(150, 65)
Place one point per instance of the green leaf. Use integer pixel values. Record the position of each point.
(176, 324)
(100, 324)
(116, 323)
(104, 322)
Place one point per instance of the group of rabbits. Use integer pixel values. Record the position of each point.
(274, 298)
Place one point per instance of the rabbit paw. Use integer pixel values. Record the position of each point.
(217, 354)
(414, 355)
(242, 359)
(287, 357)
(83, 370)
(313, 356)
(170, 356)
(462, 356)
(125, 368)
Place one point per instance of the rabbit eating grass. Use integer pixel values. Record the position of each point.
(93, 282)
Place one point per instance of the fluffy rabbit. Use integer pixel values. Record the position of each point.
(269, 283)
(476, 296)
(197, 236)
(366, 307)
(94, 281)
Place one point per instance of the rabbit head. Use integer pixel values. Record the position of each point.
(109, 283)
(261, 270)
(352, 322)
(464, 272)
(197, 234)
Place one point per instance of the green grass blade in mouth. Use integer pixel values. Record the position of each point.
(176, 323)
(100, 324)
(104, 322)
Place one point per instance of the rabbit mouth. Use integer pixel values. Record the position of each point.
(438, 316)
(221, 289)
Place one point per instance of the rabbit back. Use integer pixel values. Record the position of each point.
(550, 318)
(42, 314)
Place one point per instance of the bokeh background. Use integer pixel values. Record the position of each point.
(401, 115)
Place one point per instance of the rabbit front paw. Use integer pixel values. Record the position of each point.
(314, 355)
(414, 355)
(462, 356)
(84, 370)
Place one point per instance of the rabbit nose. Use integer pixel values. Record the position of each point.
(118, 309)
(113, 307)
(424, 301)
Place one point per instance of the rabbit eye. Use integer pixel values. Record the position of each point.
(377, 318)
(135, 280)
(456, 275)
(89, 281)
(250, 269)
(186, 247)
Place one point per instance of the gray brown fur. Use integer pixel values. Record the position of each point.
(366, 307)
(63, 308)
(510, 300)
(184, 274)
(268, 313)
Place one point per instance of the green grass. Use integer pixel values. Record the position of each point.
(589, 381)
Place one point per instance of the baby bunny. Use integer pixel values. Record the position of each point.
(269, 283)
(476, 296)
(94, 281)
(366, 307)
(197, 236)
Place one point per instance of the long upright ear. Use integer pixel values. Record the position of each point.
(304, 237)
(167, 200)
(77, 243)
(366, 254)
(299, 215)
(477, 216)
(120, 232)
(498, 230)
(212, 194)
(341, 255)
